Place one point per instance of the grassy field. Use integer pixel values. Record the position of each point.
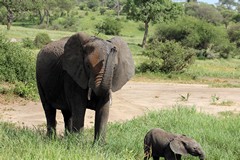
(218, 72)
(219, 138)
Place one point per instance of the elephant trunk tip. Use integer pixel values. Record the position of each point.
(202, 157)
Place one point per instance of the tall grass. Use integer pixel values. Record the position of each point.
(219, 137)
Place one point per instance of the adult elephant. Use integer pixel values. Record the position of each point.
(80, 72)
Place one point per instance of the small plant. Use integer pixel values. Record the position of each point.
(41, 39)
(215, 99)
(226, 103)
(185, 98)
(26, 90)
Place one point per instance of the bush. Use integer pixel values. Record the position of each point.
(109, 26)
(41, 39)
(26, 90)
(16, 63)
(197, 34)
(28, 43)
(102, 11)
(92, 4)
(167, 57)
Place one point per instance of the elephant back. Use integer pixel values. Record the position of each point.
(48, 68)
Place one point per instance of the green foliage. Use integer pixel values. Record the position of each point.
(92, 4)
(28, 43)
(16, 63)
(226, 14)
(109, 26)
(102, 11)
(152, 10)
(26, 90)
(197, 34)
(234, 34)
(125, 140)
(67, 24)
(41, 39)
(204, 11)
(175, 58)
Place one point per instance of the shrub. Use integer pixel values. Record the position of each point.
(41, 39)
(197, 34)
(28, 43)
(109, 26)
(168, 56)
(102, 11)
(92, 4)
(26, 90)
(17, 65)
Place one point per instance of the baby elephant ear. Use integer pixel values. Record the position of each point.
(177, 147)
(72, 59)
(125, 67)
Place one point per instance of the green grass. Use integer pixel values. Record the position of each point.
(219, 137)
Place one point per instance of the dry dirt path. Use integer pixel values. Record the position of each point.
(135, 99)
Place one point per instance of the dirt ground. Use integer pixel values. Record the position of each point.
(135, 99)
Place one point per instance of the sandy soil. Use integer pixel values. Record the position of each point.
(135, 99)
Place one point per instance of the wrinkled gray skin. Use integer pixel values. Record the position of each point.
(80, 72)
(159, 143)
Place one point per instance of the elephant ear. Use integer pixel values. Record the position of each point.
(125, 67)
(177, 146)
(72, 58)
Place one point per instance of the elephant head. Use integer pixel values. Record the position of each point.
(97, 64)
(184, 145)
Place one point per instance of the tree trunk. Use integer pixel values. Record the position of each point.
(9, 19)
(41, 17)
(145, 33)
(48, 17)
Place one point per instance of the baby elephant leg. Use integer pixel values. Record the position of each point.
(169, 155)
(147, 152)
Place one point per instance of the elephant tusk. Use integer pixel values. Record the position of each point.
(89, 93)
(110, 99)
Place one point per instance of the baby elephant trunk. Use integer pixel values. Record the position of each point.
(202, 156)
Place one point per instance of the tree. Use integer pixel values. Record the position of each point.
(227, 15)
(204, 11)
(151, 11)
(229, 4)
(15, 6)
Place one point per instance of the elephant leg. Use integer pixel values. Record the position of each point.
(155, 157)
(50, 113)
(178, 156)
(147, 152)
(169, 155)
(67, 120)
(76, 99)
(101, 119)
(78, 119)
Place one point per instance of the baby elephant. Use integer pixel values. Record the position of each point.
(159, 143)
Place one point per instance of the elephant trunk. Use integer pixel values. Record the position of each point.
(108, 74)
(202, 156)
